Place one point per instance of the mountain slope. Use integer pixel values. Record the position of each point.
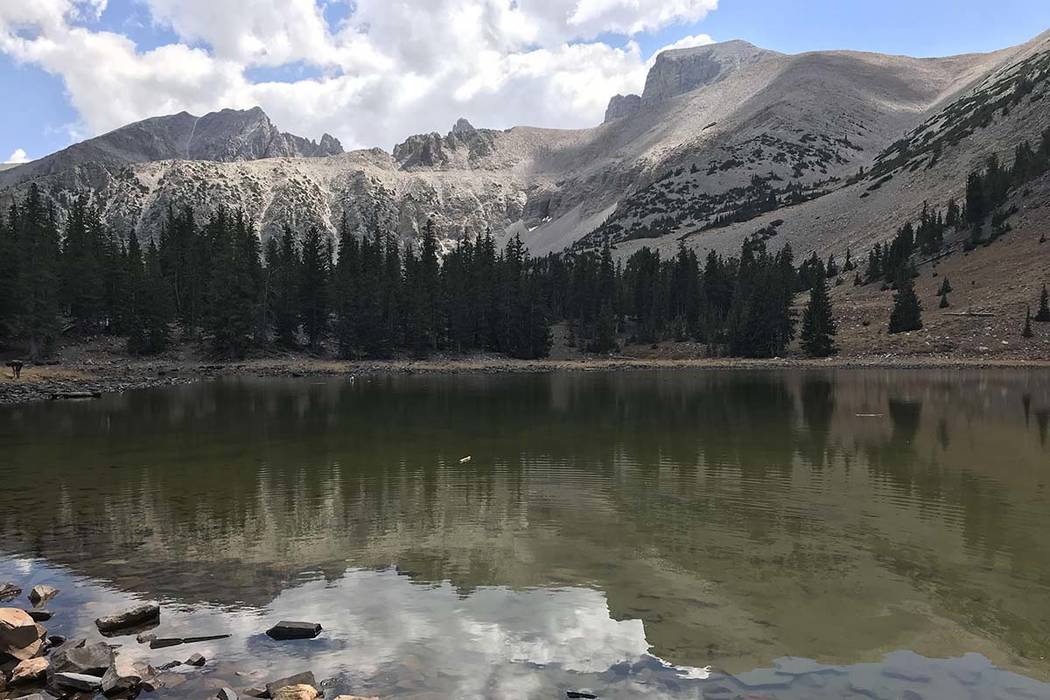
(724, 140)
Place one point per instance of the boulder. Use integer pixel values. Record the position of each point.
(39, 615)
(356, 697)
(8, 590)
(19, 636)
(226, 694)
(42, 593)
(132, 617)
(196, 660)
(294, 630)
(122, 676)
(254, 692)
(306, 678)
(78, 681)
(36, 696)
(92, 658)
(301, 691)
(29, 670)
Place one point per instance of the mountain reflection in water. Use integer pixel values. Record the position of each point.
(643, 524)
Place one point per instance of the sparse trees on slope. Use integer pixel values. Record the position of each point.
(907, 311)
(1043, 315)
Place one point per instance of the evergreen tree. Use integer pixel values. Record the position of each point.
(285, 297)
(134, 303)
(907, 311)
(82, 275)
(157, 306)
(944, 301)
(37, 284)
(313, 288)
(946, 287)
(232, 291)
(1043, 315)
(1027, 332)
(818, 323)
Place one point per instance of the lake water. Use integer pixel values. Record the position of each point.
(804, 534)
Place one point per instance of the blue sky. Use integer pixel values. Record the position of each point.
(54, 109)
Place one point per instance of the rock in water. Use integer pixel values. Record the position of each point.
(132, 617)
(78, 681)
(196, 660)
(94, 658)
(122, 676)
(29, 670)
(306, 678)
(296, 692)
(19, 636)
(41, 594)
(226, 694)
(40, 615)
(294, 630)
(9, 590)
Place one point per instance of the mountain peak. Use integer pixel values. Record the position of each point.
(677, 71)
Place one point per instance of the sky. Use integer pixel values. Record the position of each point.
(372, 72)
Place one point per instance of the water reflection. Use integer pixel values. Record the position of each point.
(705, 518)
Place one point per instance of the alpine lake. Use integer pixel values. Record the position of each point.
(789, 534)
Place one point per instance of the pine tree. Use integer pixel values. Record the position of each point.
(818, 323)
(157, 307)
(232, 291)
(944, 300)
(1043, 315)
(313, 288)
(285, 297)
(135, 304)
(1027, 332)
(946, 287)
(37, 285)
(907, 311)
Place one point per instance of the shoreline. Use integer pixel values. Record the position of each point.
(116, 375)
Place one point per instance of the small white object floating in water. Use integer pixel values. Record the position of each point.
(465, 460)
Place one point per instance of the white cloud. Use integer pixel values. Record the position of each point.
(393, 68)
(19, 156)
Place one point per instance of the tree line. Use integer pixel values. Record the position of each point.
(367, 296)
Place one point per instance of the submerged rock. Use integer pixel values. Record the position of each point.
(196, 660)
(9, 590)
(294, 630)
(132, 617)
(19, 634)
(40, 615)
(79, 656)
(42, 593)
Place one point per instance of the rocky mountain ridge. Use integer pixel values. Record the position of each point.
(724, 140)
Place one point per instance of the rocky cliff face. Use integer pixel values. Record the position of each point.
(723, 137)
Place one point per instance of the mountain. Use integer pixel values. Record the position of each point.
(837, 148)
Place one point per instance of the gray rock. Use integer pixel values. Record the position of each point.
(294, 630)
(40, 615)
(78, 681)
(196, 660)
(9, 590)
(122, 676)
(306, 678)
(19, 634)
(255, 692)
(621, 106)
(42, 593)
(226, 694)
(132, 617)
(91, 658)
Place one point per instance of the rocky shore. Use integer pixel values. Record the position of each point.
(84, 379)
(36, 665)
